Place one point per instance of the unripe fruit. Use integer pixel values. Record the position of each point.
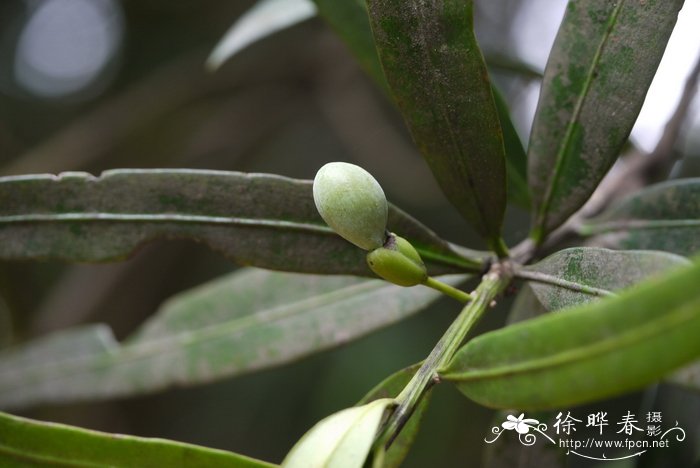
(398, 262)
(352, 203)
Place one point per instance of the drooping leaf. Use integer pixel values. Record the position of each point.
(247, 321)
(585, 273)
(588, 352)
(342, 440)
(390, 388)
(25, 442)
(601, 65)
(265, 18)
(664, 216)
(254, 219)
(437, 75)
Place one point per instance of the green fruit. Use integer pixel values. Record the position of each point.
(398, 262)
(352, 203)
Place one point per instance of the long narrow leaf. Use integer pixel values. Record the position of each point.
(254, 219)
(665, 216)
(601, 65)
(25, 442)
(588, 352)
(438, 77)
(250, 320)
(349, 19)
(265, 18)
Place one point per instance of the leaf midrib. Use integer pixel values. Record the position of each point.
(163, 218)
(46, 459)
(684, 313)
(139, 351)
(566, 141)
(636, 224)
(450, 130)
(177, 218)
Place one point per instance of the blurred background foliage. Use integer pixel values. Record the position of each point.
(89, 85)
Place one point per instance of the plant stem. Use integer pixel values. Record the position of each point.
(447, 290)
(492, 284)
(499, 246)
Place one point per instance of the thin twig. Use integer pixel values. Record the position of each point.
(493, 283)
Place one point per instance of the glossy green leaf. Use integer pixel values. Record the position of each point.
(581, 274)
(26, 443)
(527, 306)
(437, 75)
(247, 321)
(588, 352)
(254, 219)
(390, 388)
(342, 440)
(602, 62)
(664, 216)
(265, 18)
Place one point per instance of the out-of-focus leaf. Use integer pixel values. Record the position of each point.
(390, 388)
(5, 324)
(602, 62)
(688, 377)
(516, 158)
(254, 219)
(588, 352)
(25, 442)
(584, 271)
(342, 440)
(264, 19)
(349, 19)
(437, 75)
(664, 216)
(250, 320)
(526, 306)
